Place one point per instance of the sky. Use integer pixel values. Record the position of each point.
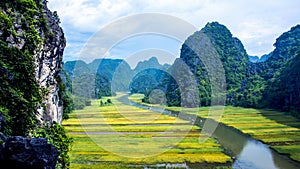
(257, 23)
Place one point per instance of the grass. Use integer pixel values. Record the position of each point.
(124, 136)
(277, 129)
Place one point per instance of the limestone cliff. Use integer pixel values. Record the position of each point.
(31, 51)
(48, 63)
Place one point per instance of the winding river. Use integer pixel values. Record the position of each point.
(247, 152)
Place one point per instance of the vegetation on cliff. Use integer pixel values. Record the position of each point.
(20, 93)
(272, 83)
(25, 29)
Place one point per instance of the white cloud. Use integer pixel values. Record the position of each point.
(133, 25)
(256, 23)
(89, 15)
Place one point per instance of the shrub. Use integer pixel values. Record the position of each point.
(56, 135)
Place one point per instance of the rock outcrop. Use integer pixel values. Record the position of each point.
(19, 152)
(48, 63)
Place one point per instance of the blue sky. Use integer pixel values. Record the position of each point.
(257, 23)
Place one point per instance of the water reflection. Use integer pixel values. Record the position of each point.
(250, 153)
(255, 155)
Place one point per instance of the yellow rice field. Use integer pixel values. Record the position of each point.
(277, 129)
(124, 136)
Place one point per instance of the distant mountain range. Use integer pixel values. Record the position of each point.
(250, 81)
(110, 75)
(256, 59)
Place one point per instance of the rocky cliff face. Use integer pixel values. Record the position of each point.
(48, 63)
(31, 50)
(30, 32)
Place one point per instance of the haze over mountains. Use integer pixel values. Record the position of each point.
(256, 59)
(250, 81)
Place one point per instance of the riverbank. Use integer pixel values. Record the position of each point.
(276, 129)
(280, 131)
(123, 136)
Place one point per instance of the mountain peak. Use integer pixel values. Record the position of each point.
(216, 28)
(150, 63)
(287, 42)
(153, 60)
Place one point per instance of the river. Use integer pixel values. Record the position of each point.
(247, 152)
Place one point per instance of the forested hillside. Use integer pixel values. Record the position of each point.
(110, 75)
(270, 82)
(232, 55)
(102, 77)
(147, 76)
(283, 72)
(250, 81)
(283, 90)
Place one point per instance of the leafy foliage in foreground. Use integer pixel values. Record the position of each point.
(66, 98)
(56, 135)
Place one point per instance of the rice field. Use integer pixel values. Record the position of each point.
(124, 136)
(277, 129)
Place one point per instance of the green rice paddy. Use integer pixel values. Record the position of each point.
(124, 136)
(277, 129)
